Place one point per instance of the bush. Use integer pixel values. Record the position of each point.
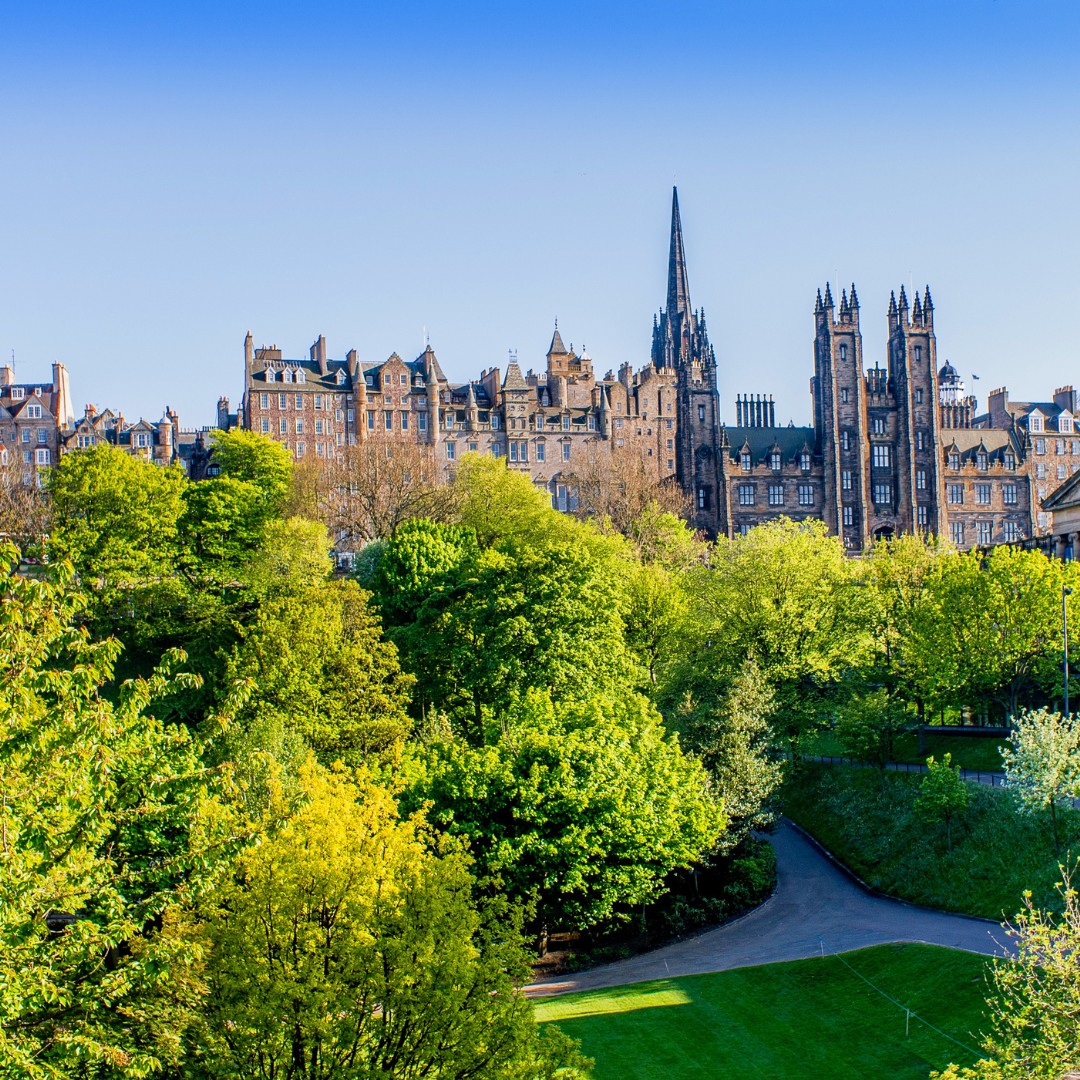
(997, 852)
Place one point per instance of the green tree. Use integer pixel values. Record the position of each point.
(942, 794)
(583, 806)
(319, 671)
(867, 726)
(478, 626)
(733, 740)
(346, 947)
(293, 553)
(259, 460)
(1034, 1001)
(1042, 764)
(222, 529)
(109, 826)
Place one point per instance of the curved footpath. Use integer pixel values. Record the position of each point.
(815, 902)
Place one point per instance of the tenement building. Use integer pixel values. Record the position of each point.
(894, 449)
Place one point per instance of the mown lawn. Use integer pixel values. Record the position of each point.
(804, 1020)
(997, 851)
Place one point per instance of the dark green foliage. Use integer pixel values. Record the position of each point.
(997, 853)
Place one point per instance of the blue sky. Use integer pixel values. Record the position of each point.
(174, 175)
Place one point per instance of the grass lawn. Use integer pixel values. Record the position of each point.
(971, 752)
(997, 851)
(803, 1020)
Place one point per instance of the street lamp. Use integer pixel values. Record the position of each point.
(1065, 641)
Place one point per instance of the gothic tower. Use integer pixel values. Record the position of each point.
(681, 343)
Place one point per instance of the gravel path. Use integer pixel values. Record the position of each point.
(815, 901)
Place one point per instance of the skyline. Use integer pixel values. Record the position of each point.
(178, 177)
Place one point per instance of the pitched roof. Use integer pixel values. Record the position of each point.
(760, 440)
(557, 347)
(514, 380)
(1064, 497)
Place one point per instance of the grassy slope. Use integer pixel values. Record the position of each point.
(997, 851)
(802, 1020)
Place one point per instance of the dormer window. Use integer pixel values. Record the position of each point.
(804, 461)
(774, 461)
(301, 376)
(1036, 423)
(1065, 423)
(16, 393)
(286, 376)
(269, 375)
(341, 378)
(369, 380)
(954, 460)
(744, 459)
(980, 461)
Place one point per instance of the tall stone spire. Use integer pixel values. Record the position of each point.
(678, 286)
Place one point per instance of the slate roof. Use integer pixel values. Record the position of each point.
(761, 440)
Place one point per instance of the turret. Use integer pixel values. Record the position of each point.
(471, 414)
(605, 413)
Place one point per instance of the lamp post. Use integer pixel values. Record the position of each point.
(1065, 642)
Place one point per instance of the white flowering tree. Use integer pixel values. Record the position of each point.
(1043, 762)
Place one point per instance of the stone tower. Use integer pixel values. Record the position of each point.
(681, 344)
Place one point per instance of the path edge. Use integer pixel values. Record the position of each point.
(870, 890)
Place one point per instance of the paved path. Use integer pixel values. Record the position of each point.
(814, 898)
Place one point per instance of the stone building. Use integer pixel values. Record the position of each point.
(31, 418)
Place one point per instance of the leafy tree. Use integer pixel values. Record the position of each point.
(478, 626)
(867, 726)
(222, 528)
(259, 460)
(318, 669)
(1034, 1003)
(346, 947)
(733, 741)
(942, 794)
(585, 806)
(1042, 764)
(781, 594)
(109, 827)
(293, 553)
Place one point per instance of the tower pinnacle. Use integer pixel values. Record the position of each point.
(678, 289)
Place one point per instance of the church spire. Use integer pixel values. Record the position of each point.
(678, 288)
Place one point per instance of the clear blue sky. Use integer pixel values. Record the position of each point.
(172, 175)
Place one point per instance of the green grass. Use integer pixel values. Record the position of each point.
(804, 1020)
(997, 851)
(971, 752)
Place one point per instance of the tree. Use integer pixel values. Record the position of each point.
(347, 946)
(25, 508)
(584, 806)
(256, 459)
(867, 726)
(1034, 1004)
(109, 826)
(319, 670)
(942, 794)
(293, 553)
(1042, 764)
(733, 741)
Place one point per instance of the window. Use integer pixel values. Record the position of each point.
(671, 424)
(1064, 423)
(421, 422)
(451, 451)
(301, 377)
(920, 515)
(269, 375)
(918, 353)
(43, 457)
(1010, 462)
(371, 419)
(403, 379)
(843, 395)
(513, 451)
(28, 456)
(984, 529)
(845, 480)
(26, 436)
(671, 463)
(298, 401)
(142, 440)
(339, 415)
(299, 427)
(1040, 446)
(954, 460)
(701, 498)
(746, 494)
(774, 461)
(42, 436)
(368, 380)
(618, 422)
(540, 451)
(33, 412)
(592, 422)
(920, 479)
(283, 401)
(848, 516)
(266, 425)
(286, 376)
(318, 401)
(883, 494)
(776, 494)
(804, 462)
(879, 425)
(1040, 471)
(845, 442)
(920, 440)
(1036, 425)
(743, 530)
(473, 447)
(318, 427)
(806, 494)
(1010, 532)
(566, 451)
(956, 494)
(351, 414)
(16, 393)
(980, 461)
(956, 529)
(843, 352)
(744, 460)
(341, 438)
(404, 421)
(671, 444)
(84, 441)
(299, 449)
(388, 420)
(566, 423)
(264, 401)
(1059, 447)
(1061, 472)
(879, 455)
(1008, 494)
(982, 495)
(283, 426)
(918, 397)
